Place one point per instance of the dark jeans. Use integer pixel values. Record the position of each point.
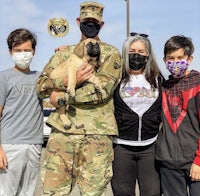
(178, 183)
(131, 164)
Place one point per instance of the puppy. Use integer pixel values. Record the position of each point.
(87, 51)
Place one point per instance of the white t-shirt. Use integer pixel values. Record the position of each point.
(138, 94)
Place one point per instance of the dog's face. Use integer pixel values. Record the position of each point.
(88, 48)
(93, 49)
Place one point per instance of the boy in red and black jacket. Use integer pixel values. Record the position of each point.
(178, 143)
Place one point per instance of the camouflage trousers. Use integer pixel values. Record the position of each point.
(82, 159)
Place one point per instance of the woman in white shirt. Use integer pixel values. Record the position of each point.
(137, 110)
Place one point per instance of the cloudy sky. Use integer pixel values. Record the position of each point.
(160, 19)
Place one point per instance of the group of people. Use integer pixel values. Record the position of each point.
(141, 127)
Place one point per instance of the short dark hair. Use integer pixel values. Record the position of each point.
(179, 41)
(19, 36)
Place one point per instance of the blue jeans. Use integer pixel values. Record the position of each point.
(178, 183)
(133, 163)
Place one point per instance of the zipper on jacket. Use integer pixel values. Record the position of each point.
(140, 129)
(176, 165)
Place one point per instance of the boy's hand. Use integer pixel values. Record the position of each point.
(3, 159)
(195, 172)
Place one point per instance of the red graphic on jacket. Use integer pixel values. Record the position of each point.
(175, 98)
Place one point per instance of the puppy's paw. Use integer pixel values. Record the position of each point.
(68, 126)
(71, 92)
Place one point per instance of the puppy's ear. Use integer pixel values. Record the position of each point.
(79, 49)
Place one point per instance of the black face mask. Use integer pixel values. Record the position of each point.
(90, 29)
(137, 61)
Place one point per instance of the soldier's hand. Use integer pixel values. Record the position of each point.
(3, 159)
(195, 172)
(84, 73)
(54, 99)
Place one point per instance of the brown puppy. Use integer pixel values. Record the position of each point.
(87, 51)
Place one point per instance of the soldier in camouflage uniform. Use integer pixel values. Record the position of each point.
(82, 153)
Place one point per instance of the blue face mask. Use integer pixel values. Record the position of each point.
(177, 68)
(90, 29)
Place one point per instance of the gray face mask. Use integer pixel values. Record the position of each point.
(22, 59)
(137, 61)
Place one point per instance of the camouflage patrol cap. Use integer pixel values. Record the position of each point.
(91, 10)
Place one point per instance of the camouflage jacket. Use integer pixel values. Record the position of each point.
(94, 111)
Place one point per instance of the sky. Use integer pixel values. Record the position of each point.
(160, 19)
